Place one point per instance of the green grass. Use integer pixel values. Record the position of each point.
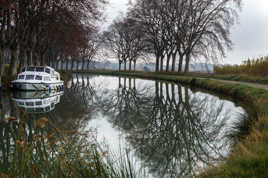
(250, 155)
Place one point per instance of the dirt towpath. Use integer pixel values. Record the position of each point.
(256, 85)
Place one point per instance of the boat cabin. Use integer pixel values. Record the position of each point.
(39, 73)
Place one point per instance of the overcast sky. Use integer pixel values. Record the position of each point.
(250, 36)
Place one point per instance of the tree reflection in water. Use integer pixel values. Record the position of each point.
(173, 131)
(35, 138)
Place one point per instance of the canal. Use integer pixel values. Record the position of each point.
(166, 129)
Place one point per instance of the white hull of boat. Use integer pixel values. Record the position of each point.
(38, 86)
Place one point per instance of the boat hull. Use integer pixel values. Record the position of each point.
(38, 86)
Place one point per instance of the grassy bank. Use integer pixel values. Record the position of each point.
(229, 76)
(249, 157)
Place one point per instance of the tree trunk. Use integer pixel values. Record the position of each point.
(83, 64)
(119, 65)
(57, 64)
(30, 58)
(173, 61)
(72, 66)
(157, 64)
(125, 65)
(23, 62)
(42, 62)
(36, 60)
(135, 65)
(180, 63)
(167, 64)
(54, 61)
(2, 61)
(67, 65)
(129, 65)
(61, 60)
(187, 63)
(77, 65)
(14, 60)
(88, 64)
(161, 62)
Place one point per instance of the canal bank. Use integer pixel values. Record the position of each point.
(249, 157)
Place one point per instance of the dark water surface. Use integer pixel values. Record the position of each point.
(167, 129)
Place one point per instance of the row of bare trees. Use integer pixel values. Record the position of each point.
(40, 32)
(175, 32)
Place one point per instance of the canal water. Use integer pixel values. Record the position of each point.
(167, 130)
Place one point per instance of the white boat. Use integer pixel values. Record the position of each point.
(38, 78)
(37, 102)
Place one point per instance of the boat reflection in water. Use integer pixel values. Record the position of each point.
(37, 101)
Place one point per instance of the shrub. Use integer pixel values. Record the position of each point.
(254, 67)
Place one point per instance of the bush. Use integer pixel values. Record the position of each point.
(255, 67)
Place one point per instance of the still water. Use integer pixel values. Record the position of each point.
(167, 129)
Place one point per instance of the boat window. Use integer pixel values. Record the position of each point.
(46, 78)
(39, 69)
(38, 103)
(38, 77)
(20, 103)
(29, 104)
(23, 69)
(31, 69)
(29, 77)
(47, 70)
(21, 77)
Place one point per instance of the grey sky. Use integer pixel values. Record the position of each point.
(250, 36)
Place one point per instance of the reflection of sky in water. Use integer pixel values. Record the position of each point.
(105, 132)
(117, 138)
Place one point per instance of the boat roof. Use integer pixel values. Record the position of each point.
(40, 66)
(34, 69)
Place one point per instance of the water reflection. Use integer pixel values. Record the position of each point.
(168, 129)
(172, 130)
(37, 101)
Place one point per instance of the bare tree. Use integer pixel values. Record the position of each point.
(34, 30)
(186, 28)
(125, 40)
